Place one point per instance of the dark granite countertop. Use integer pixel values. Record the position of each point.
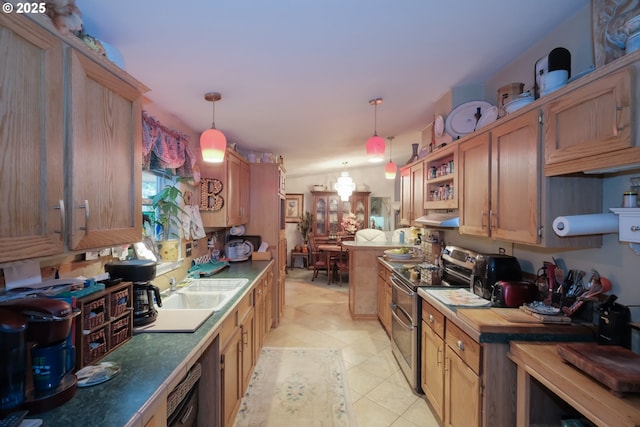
(148, 361)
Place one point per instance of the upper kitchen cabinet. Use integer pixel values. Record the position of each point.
(440, 177)
(105, 156)
(229, 206)
(588, 122)
(70, 137)
(412, 189)
(505, 196)
(31, 141)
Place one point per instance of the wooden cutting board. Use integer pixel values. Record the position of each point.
(614, 366)
(515, 315)
(546, 318)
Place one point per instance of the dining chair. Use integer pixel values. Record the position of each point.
(318, 258)
(340, 264)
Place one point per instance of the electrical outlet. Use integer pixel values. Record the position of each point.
(188, 249)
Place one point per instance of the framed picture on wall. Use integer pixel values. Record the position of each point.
(293, 207)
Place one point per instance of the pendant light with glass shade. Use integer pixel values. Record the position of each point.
(390, 169)
(213, 143)
(345, 185)
(375, 144)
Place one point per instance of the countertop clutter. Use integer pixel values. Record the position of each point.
(151, 365)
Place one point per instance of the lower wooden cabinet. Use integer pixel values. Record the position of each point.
(432, 357)
(230, 374)
(462, 392)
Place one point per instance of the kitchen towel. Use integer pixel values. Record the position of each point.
(579, 225)
(192, 226)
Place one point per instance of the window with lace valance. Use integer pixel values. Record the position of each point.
(165, 150)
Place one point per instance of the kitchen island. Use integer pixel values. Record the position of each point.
(363, 273)
(152, 364)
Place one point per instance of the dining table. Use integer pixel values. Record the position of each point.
(330, 250)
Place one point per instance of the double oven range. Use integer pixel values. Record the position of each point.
(406, 307)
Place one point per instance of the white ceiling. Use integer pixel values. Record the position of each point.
(296, 76)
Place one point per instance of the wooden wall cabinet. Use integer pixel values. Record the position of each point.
(234, 174)
(105, 120)
(328, 210)
(61, 184)
(590, 121)
(441, 178)
(504, 195)
(412, 191)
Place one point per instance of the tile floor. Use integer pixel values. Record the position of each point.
(317, 315)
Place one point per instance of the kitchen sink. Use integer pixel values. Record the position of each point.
(213, 285)
(208, 294)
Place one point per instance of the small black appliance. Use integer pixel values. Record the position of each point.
(141, 273)
(613, 323)
(492, 268)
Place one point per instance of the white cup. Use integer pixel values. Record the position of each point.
(232, 252)
(552, 80)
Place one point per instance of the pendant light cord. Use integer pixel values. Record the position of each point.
(213, 114)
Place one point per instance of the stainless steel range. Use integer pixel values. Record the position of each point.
(457, 266)
(406, 308)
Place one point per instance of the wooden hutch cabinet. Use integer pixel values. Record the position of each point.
(328, 209)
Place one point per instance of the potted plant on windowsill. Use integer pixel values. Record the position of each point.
(169, 217)
(304, 226)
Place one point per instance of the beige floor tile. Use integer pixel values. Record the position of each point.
(362, 381)
(370, 414)
(420, 414)
(392, 397)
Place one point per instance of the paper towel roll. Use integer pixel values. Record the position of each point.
(579, 225)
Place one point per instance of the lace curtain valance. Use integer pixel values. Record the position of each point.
(164, 148)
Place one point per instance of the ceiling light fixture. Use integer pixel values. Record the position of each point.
(390, 169)
(213, 143)
(345, 185)
(375, 144)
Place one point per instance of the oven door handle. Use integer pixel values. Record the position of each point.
(402, 287)
(395, 316)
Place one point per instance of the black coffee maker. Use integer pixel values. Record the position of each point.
(141, 273)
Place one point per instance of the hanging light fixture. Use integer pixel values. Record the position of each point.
(375, 144)
(345, 185)
(213, 143)
(390, 169)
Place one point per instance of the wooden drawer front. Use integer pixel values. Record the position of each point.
(227, 328)
(464, 346)
(433, 318)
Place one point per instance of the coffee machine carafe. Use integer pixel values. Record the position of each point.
(144, 311)
(140, 272)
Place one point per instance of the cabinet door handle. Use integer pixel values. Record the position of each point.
(618, 128)
(460, 345)
(85, 206)
(635, 228)
(245, 338)
(492, 220)
(438, 353)
(62, 220)
(431, 319)
(483, 215)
